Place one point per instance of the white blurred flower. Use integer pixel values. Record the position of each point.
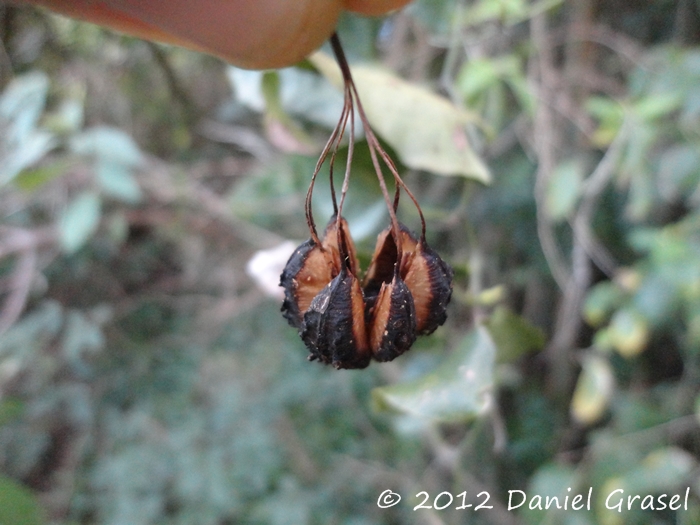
(265, 267)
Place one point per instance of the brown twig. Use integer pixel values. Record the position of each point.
(20, 287)
(239, 136)
(593, 187)
(25, 244)
(546, 145)
(13, 240)
(5, 61)
(602, 35)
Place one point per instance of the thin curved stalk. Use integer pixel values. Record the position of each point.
(377, 152)
(332, 144)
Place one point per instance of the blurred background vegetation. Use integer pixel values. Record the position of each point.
(146, 374)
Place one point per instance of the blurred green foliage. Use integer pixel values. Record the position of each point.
(147, 378)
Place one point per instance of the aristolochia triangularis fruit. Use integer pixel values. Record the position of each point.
(407, 285)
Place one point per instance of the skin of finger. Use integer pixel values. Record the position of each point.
(102, 14)
(374, 7)
(254, 34)
(249, 33)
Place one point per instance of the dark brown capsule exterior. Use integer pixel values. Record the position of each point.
(308, 270)
(430, 280)
(311, 267)
(393, 324)
(334, 327)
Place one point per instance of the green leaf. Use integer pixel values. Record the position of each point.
(23, 154)
(10, 408)
(21, 144)
(594, 390)
(629, 332)
(564, 189)
(611, 115)
(518, 84)
(657, 105)
(498, 10)
(270, 87)
(605, 109)
(427, 131)
(504, 12)
(18, 505)
(116, 180)
(476, 76)
(21, 105)
(513, 335)
(79, 221)
(457, 390)
(33, 178)
(107, 144)
(600, 302)
(282, 131)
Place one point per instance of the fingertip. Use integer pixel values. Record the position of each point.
(374, 7)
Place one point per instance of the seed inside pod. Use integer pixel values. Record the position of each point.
(430, 280)
(334, 326)
(393, 328)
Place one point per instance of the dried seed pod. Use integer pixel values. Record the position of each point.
(308, 270)
(311, 267)
(334, 325)
(393, 328)
(427, 276)
(406, 288)
(430, 280)
(381, 268)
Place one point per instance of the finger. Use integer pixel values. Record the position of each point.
(249, 33)
(374, 7)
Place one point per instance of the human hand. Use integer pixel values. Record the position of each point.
(254, 34)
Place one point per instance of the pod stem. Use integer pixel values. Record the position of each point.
(376, 150)
(332, 145)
